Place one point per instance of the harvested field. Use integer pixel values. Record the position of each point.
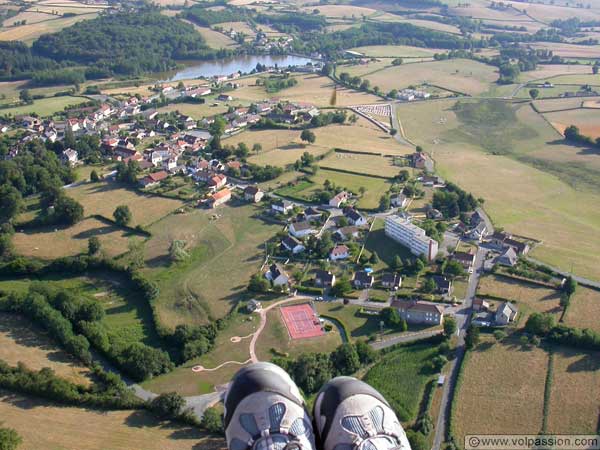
(310, 88)
(484, 12)
(430, 24)
(87, 429)
(512, 396)
(547, 13)
(584, 309)
(557, 104)
(575, 393)
(30, 32)
(460, 75)
(20, 341)
(577, 79)
(394, 51)
(238, 27)
(341, 11)
(51, 243)
(533, 298)
(587, 120)
(570, 50)
(214, 39)
(366, 164)
(102, 198)
(549, 71)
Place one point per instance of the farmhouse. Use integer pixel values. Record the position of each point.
(324, 278)
(301, 229)
(406, 233)
(337, 200)
(218, 198)
(339, 252)
(277, 275)
(506, 313)
(292, 244)
(282, 206)
(391, 281)
(362, 280)
(153, 179)
(253, 194)
(418, 312)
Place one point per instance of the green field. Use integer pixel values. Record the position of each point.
(386, 249)
(397, 51)
(375, 187)
(533, 185)
(401, 377)
(45, 106)
(224, 254)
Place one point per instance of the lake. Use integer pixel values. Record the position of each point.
(243, 63)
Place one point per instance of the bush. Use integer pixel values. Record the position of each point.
(9, 439)
(168, 406)
(212, 421)
(417, 440)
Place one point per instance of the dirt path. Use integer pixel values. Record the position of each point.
(263, 323)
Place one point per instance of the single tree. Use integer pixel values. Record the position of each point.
(212, 421)
(534, 93)
(122, 215)
(168, 405)
(93, 245)
(308, 136)
(25, 96)
(472, 337)
(449, 326)
(94, 178)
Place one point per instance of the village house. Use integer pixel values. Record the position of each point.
(478, 233)
(324, 279)
(399, 200)
(521, 248)
(69, 157)
(480, 304)
(509, 258)
(253, 305)
(346, 233)
(421, 161)
(337, 200)
(465, 259)
(419, 312)
(282, 206)
(219, 198)
(362, 280)
(302, 229)
(153, 179)
(291, 244)
(355, 218)
(217, 182)
(442, 285)
(391, 281)
(339, 252)
(506, 313)
(253, 194)
(277, 276)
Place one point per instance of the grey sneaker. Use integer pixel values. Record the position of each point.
(264, 410)
(351, 415)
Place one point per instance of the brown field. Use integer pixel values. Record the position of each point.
(238, 27)
(30, 16)
(483, 12)
(341, 11)
(71, 428)
(51, 243)
(365, 68)
(575, 394)
(584, 309)
(461, 75)
(519, 197)
(311, 88)
(548, 13)
(30, 32)
(390, 51)
(570, 50)
(437, 26)
(502, 390)
(102, 198)
(20, 341)
(535, 298)
(548, 71)
(282, 147)
(555, 104)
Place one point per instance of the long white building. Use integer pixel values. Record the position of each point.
(408, 234)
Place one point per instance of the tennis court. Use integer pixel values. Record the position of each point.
(301, 321)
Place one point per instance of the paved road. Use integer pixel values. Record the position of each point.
(396, 123)
(462, 321)
(404, 339)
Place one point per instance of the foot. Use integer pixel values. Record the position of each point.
(351, 415)
(264, 410)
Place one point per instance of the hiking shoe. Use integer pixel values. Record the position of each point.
(351, 415)
(264, 410)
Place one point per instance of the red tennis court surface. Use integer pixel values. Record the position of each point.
(301, 321)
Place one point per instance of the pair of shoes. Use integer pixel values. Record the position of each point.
(264, 410)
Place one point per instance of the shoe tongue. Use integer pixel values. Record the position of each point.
(280, 442)
(380, 442)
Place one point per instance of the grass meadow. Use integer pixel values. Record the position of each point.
(224, 254)
(30, 32)
(45, 106)
(502, 389)
(402, 376)
(584, 309)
